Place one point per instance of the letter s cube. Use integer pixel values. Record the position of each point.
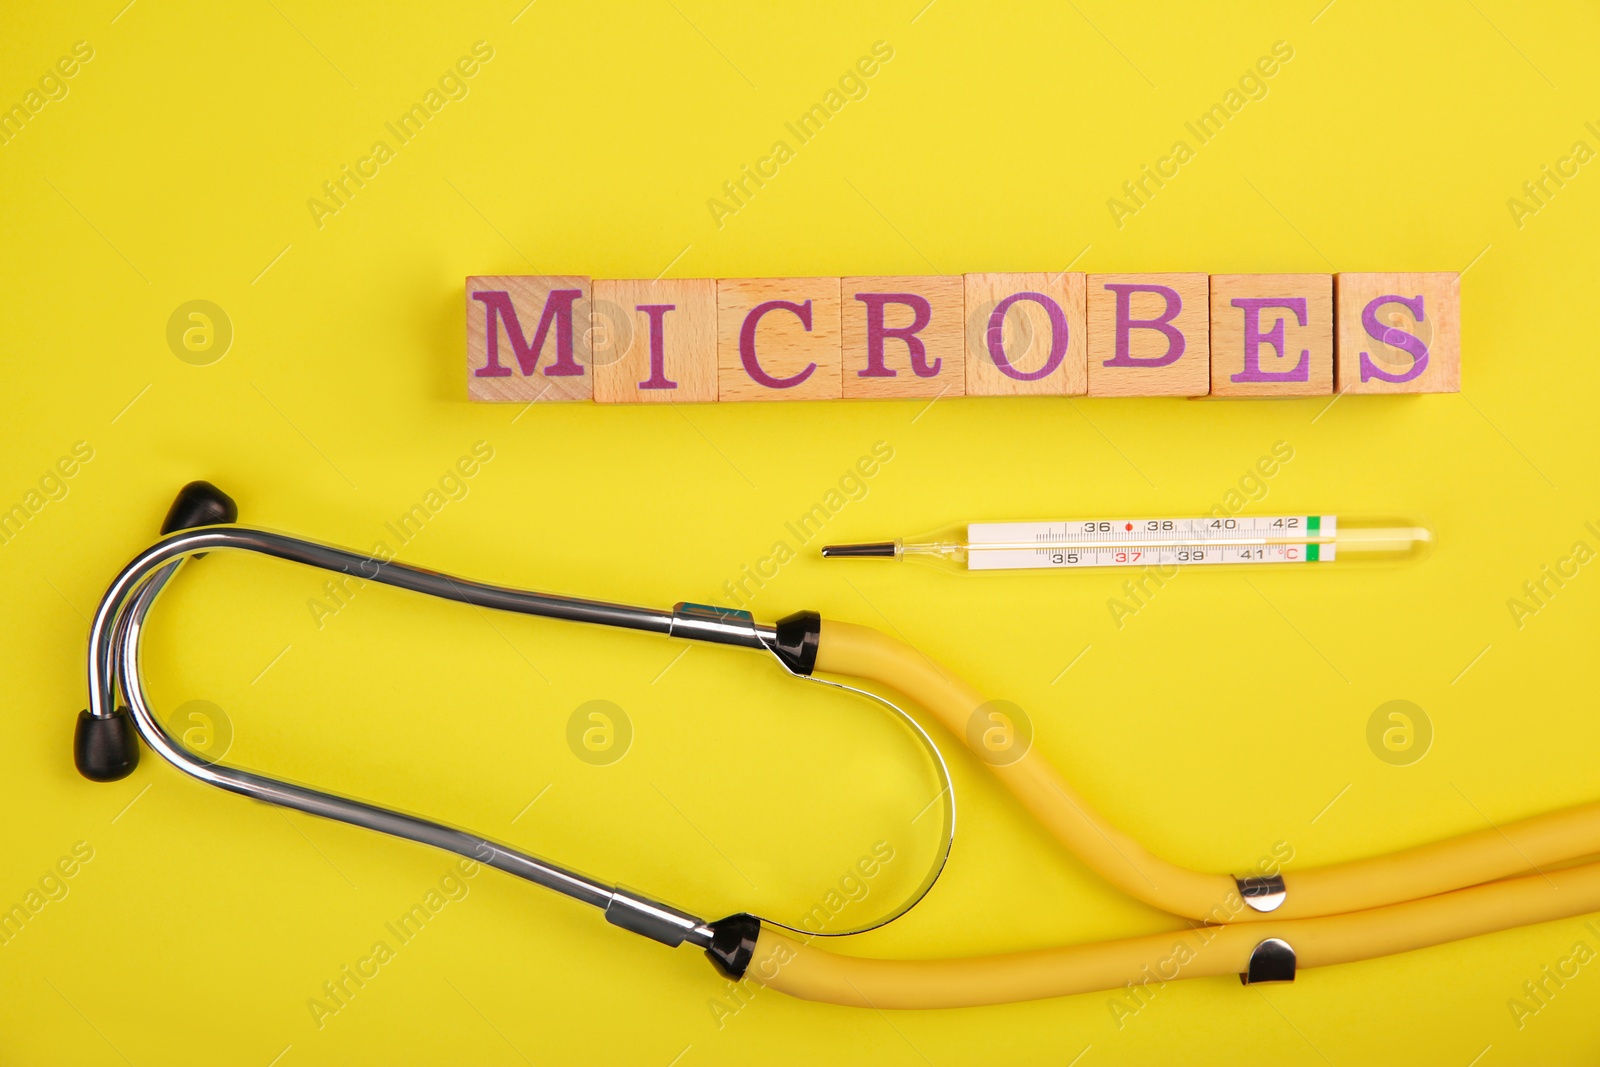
(1397, 333)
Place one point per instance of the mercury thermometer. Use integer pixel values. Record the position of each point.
(995, 546)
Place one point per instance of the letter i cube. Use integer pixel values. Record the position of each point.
(655, 341)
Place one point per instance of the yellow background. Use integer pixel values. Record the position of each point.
(1227, 715)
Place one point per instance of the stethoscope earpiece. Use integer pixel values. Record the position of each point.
(199, 504)
(105, 750)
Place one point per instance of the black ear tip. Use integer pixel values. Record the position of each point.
(200, 504)
(105, 750)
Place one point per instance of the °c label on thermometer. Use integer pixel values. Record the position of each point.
(1150, 542)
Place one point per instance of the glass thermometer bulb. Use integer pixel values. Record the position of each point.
(1239, 539)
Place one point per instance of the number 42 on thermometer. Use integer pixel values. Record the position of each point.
(1146, 542)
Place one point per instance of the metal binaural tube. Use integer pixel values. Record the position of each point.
(639, 914)
(102, 704)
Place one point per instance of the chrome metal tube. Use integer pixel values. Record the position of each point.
(657, 920)
(735, 631)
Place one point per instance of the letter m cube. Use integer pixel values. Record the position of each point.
(528, 339)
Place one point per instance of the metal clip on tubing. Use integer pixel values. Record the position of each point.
(1260, 928)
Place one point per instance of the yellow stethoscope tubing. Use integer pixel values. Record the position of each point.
(1458, 888)
(803, 970)
(1425, 871)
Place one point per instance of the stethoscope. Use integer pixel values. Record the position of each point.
(1261, 928)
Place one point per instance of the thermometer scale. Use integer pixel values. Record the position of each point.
(1147, 542)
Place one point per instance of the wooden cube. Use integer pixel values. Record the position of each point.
(1397, 333)
(654, 342)
(528, 338)
(1026, 335)
(778, 339)
(1149, 334)
(902, 337)
(1271, 334)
